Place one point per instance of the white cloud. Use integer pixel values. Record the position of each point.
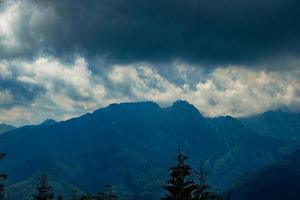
(144, 83)
(231, 90)
(16, 115)
(23, 26)
(4, 70)
(65, 88)
(5, 97)
(8, 20)
(60, 90)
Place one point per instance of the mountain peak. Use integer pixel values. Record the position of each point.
(141, 103)
(181, 102)
(135, 105)
(184, 106)
(48, 122)
(3, 124)
(129, 107)
(283, 108)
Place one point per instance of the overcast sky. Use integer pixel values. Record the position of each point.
(63, 58)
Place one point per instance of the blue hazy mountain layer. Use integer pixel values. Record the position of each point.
(5, 128)
(277, 182)
(281, 124)
(131, 146)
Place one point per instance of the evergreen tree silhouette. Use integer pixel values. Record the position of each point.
(85, 197)
(60, 197)
(202, 189)
(44, 190)
(228, 197)
(179, 186)
(2, 179)
(74, 194)
(107, 193)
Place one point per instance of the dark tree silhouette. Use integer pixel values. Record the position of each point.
(202, 189)
(60, 197)
(44, 189)
(2, 179)
(85, 197)
(180, 185)
(107, 193)
(228, 197)
(74, 195)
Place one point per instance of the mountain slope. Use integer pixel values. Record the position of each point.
(25, 190)
(48, 122)
(239, 144)
(280, 124)
(277, 182)
(4, 128)
(131, 145)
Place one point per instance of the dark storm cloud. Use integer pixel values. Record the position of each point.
(63, 58)
(205, 31)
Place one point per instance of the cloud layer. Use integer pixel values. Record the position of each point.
(63, 58)
(48, 87)
(208, 32)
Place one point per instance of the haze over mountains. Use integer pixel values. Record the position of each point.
(5, 127)
(277, 182)
(281, 124)
(131, 146)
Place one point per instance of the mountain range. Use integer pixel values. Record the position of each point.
(276, 182)
(5, 128)
(132, 145)
(280, 124)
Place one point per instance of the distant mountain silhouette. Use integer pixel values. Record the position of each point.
(280, 124)
(131, 145)
(48, 122)
(4, 128)
(277, 182)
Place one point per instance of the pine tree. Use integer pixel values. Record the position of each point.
(60, 197)
(85, 197)
(228, 197)
(2, 179)
(74, 194)
(179, 186)
(44, 190)
(107, 193)
(202, 189)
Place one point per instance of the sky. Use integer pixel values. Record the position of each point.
(62, 58)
